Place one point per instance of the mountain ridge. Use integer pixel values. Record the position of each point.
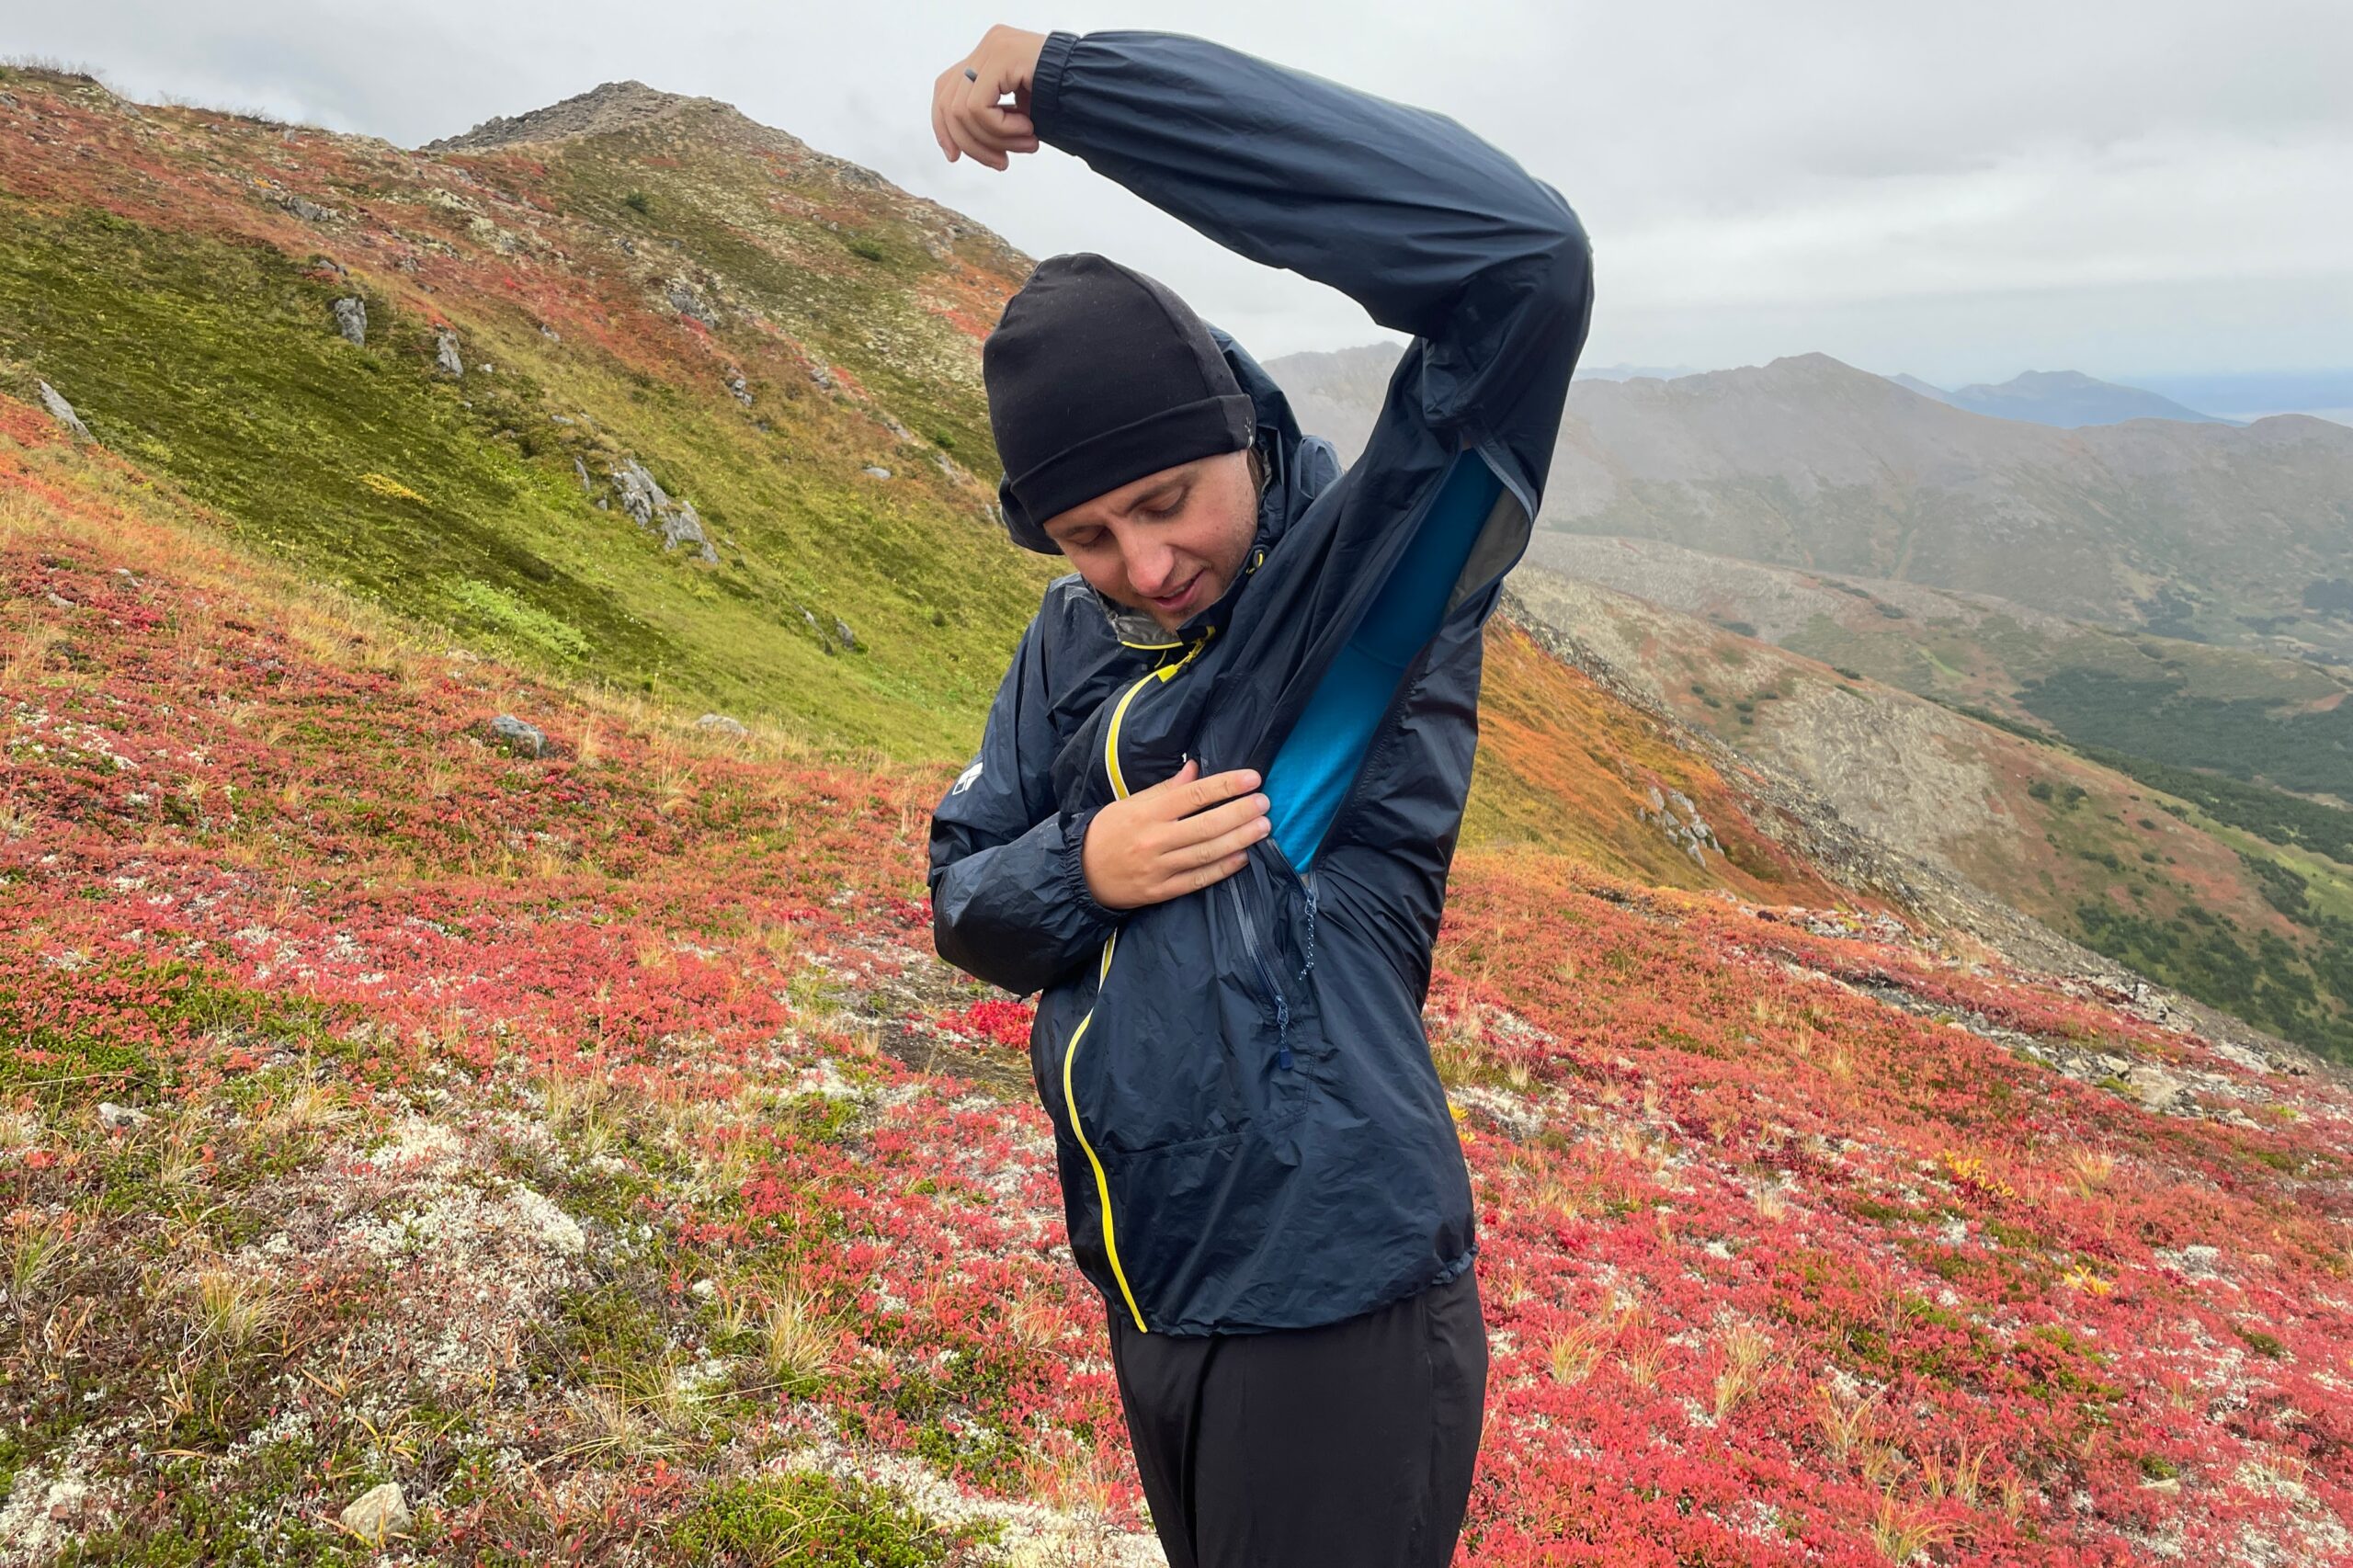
(2216, 532)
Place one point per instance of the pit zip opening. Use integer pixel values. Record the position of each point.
(1162, 675)
(1489, 454)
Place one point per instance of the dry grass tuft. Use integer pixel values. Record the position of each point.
(1745, 1351)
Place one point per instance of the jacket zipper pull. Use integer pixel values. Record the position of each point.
(1308, 881)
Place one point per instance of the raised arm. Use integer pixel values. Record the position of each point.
(1433, 231)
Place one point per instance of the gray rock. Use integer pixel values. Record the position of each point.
(351, 319)
(581, 469)
(643, 499)
(379, 1512)
(302, 206)
(842, 631)
(528, 739)
(113, 1115)
(721, 724)
(811, 617)
(445, 357)
(877, 471)
(550, 333)
(683, 527)
(901, 431)
(62, 411)
(687, 301)
(823, 376)
(737, 388)
(2160, 1090)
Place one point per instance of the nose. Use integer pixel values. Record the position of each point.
(1152, 568)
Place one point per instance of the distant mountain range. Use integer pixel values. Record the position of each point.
(2066, 398)
(2207, 531)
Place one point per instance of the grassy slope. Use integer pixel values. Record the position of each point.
(588, 1145)
(161, 289)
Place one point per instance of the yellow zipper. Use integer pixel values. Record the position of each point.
(1166, 674)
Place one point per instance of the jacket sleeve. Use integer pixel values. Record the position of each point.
(1009, 900)
(1433, 231)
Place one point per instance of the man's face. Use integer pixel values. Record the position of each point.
(1169, 543)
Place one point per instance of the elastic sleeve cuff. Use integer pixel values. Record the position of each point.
(1072, 867)
(1046, 82)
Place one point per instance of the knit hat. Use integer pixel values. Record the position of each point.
(1096, 376)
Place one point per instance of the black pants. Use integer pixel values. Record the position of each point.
(1346, 1446)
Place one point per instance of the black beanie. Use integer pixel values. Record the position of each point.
(1096, 376)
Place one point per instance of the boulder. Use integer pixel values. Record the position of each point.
(351, 319)
(876, 470)
(849, 638)
(738, 389)
(524, 740)
(445, 357)
(62, 411)
(720, 723)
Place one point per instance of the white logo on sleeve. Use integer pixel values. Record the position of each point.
(964, 779)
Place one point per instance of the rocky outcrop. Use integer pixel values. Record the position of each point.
(351, 319)
(686, 298)
(652, 506)
(1785, 809)
(446, 357)
(1679, 819)
(302, 206)
(62, 411)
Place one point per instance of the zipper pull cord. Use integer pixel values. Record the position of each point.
(1282, 1030)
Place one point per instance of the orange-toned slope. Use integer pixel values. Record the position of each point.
(1564, 763)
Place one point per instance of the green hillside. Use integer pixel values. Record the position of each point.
(752, 327)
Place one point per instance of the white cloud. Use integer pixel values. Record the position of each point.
(1962, 191)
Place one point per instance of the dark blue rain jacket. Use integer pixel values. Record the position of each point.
(1249, 1129)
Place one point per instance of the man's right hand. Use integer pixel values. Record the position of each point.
(967, 119)
(1183, 834)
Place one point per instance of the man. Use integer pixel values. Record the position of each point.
(1219, 790)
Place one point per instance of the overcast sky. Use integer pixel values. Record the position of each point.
(1959, 191)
